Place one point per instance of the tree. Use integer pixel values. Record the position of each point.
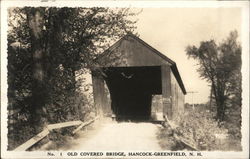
(54, 44)
(35, 19)
(220, 65)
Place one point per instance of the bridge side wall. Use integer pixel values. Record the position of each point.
(100, 94)
(177, 97)
(166, 91)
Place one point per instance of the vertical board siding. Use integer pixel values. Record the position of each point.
(133, 53)
(166, 91)
(177, 97)
(100, 96)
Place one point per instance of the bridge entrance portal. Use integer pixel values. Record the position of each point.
(131, 90)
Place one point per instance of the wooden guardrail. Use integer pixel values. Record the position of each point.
(50, 127)
(179, 138)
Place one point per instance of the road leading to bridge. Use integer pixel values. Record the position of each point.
(124, 136)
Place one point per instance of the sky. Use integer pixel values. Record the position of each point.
(171, 30)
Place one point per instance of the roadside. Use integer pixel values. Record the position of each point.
(110, 135)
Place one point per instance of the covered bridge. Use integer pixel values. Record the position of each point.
(134, 81)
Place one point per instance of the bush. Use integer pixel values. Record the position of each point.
(167, 140)
(22, 131)
(200, 129)
(68, 106)
(233, 122)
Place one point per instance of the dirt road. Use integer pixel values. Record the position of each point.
(124, 136)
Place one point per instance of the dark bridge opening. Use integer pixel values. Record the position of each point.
(131, 90)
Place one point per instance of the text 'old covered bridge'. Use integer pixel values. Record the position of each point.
(136, 82)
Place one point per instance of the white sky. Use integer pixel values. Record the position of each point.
(170, 30)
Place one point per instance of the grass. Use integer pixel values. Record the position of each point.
(167, 141)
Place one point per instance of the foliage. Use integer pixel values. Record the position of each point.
(220, 65)
(71, 38)
(167, 141)
(199, 128)
(15, 139)
(232, 119)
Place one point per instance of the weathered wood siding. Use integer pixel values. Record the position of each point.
(100, 96)
(166, 91)
(131, 52)
(177, 97)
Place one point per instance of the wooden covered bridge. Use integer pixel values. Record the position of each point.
(134, 81)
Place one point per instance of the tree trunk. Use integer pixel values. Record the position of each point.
(220, 104)
(35, 18)
(219, 99)
(210, 98)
